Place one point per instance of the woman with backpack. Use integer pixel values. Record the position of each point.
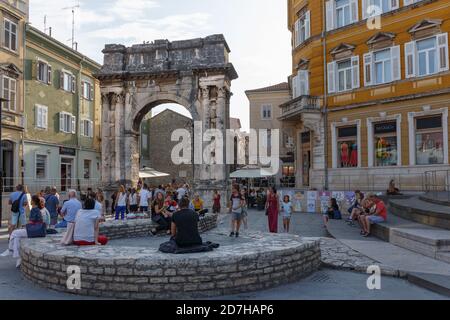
(36, 228)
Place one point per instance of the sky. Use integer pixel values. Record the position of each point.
(256, 31)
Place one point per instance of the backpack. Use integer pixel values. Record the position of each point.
(15, 206)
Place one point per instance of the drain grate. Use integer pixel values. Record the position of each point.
(321, 277)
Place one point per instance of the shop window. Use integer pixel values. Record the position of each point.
(429, 140)
(386, 148)
(347, 147)
(41, 166)
(87, 169)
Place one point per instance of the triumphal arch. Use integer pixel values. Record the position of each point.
(193, 73)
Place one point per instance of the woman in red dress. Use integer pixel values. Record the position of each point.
(273, 209)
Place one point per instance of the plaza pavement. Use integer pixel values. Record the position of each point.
(325, 284)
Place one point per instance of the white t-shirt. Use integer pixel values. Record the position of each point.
(122, 200)
(85, 225)
(144, 195)
(181, 192)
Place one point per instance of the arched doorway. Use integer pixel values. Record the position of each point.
(195, 74)
(8, 165)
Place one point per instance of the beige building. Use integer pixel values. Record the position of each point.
(264, 114)
(13, 17)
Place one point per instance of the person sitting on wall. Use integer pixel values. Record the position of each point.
(393, 191)
(184, 226)
(87, 225)
(356, 209)
(160, 215)
(198, 205)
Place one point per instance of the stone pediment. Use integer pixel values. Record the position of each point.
(10, 69)
(381, 37)
(343, 47)
(426, 24)
(303, 64)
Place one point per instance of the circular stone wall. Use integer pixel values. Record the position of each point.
(144, 273)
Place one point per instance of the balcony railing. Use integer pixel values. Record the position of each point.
(299, 105)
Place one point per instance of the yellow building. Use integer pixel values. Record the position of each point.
(13, 17)
(376, 72)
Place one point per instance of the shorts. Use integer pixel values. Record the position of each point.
(15, 218)
(134, 208)
(236, 216)
(287, 216)
(376, 219)
(144, 209)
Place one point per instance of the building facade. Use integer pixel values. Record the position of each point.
(13, 18)
(376, 76)
(265, 113)
(62, 109)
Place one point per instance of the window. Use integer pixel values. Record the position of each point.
(302, 28)
(427, 57)
(41, 166)
(67, 123)
(386, 149)
(9, 93)
(347, 147)
(300, 84)
(344, 71)
(429, 140)
(377, 7)
(342, 13)
(10, 35)
(44, 72)
(87, 128)
(408, 2)
(266, 112)
(41, 117)
(382, 66)
(343, 75)
(67, 82)
(87, 169)
(88, 91)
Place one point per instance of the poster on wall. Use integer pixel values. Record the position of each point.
(299, 198)
(339, 196)
(324, 201)
(311, 206)
(349, 199)
(312, 195)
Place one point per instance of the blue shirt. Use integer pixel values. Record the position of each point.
(51, 203)
(35, 215)
(70, 209)
(15, 196)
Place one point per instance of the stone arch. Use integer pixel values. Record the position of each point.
(157, 99)
(195, 74)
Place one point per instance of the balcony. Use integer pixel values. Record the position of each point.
(294, 109)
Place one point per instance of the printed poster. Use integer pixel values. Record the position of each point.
(324, 201)
(299, 198)
(311, 204)
(312, 195)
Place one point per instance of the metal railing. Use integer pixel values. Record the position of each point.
(437, 184)
(62, 185)
(300, 104)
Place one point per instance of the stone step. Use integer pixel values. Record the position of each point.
(417, 210)
(426, 240)
(441, 198)
(443, 256)
(433, 282)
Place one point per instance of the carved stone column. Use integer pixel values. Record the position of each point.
(106, 142)
(119, 145)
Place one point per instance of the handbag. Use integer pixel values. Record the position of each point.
(36, 230)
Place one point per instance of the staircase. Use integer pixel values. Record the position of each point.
(418, 225)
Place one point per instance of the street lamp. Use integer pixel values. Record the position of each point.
(1, 160)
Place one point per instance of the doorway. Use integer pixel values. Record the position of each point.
(66, 173)
(306, 157)
(8, 165)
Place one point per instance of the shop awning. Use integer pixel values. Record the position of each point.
(149, 173)
(251, 174)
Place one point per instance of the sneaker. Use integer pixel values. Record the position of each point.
(19, 261)
(237, 234)
(232, 234)
(7, 253)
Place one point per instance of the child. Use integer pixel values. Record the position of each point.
(333, 212)
(287, 213)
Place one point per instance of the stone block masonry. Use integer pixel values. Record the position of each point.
(144, 273)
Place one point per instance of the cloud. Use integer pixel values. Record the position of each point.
(126, 9)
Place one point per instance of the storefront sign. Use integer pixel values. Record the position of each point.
(386, 127)
(67, 151)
